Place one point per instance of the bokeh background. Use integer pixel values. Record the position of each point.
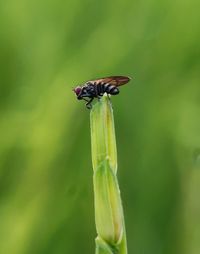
(46, 190)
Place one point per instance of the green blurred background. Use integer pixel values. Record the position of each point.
(46, 191)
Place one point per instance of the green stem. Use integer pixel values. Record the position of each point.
(109, 216)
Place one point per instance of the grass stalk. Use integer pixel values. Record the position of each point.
(109, 216)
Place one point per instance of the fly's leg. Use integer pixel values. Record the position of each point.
(85, 99)
(88, 104)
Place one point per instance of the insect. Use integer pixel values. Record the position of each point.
(96, 88)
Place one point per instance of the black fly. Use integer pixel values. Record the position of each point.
(96, 88)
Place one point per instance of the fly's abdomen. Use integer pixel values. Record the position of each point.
(110, 89)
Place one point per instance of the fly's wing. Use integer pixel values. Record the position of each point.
(114, 80)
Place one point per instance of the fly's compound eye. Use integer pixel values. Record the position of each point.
(77, 90)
